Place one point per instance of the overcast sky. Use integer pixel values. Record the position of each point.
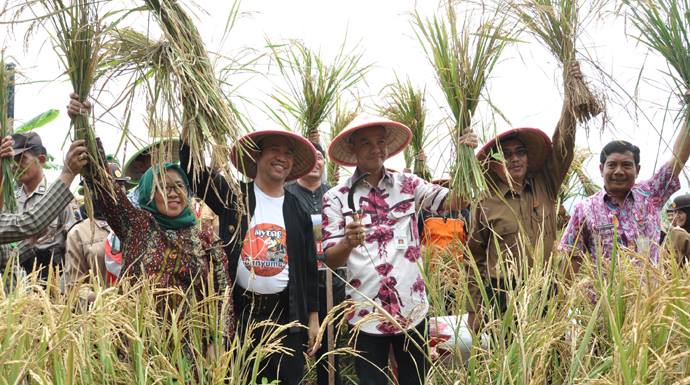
(526, 85)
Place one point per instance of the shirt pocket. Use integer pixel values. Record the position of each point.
(505, 234)
(404, 220)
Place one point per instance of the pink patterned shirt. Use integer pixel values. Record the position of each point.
(638, 222)
(384, 275)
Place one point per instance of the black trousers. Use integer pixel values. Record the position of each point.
(43, 260)
(372, 362)
(288, 368)
(322, 366)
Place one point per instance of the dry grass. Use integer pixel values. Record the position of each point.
(557, 25)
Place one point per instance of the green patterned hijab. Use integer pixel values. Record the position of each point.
(146, 201)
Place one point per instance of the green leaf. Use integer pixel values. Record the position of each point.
(38, 121)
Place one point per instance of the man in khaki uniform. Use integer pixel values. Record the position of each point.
(49, 245)
(517, 222)
(678, 238)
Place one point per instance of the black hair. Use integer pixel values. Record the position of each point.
(619, 147)
(319, 149)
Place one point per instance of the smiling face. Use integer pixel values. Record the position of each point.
(516, 160)
(173, 200)
(369, 147)
(317, 171)
(276, 159)
(619, 172)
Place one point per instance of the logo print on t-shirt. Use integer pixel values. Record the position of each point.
(264, 251)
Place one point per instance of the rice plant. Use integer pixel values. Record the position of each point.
(577, 183)
(463, 57)
(406, 104)
(313, 85)
(201, 107)
(77, 32)
(664, 27)
(557, 25)
(341, 118)
(133, 333)
(7, 198)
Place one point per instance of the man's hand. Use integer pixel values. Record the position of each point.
(314, 340)
(6, 150)
(574, 70)
(469, 138)
(76, 107)
(354, 233)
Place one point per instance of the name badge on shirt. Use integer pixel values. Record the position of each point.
(400, 239)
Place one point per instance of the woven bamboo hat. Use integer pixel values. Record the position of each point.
(538, 146)
(245, 160)
(398, 136)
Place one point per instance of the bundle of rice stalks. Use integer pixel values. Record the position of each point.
(341, 119)
(78, 35)
(664, 27)
(405, 104)
(206, 113)
(313, 86)
(557, 24)
(463, 60)
(7, 199)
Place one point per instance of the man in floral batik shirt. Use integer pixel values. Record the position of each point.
(382, 250)
(623, 208)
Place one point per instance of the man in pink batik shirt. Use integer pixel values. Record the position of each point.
(623, 208)
(382, 250)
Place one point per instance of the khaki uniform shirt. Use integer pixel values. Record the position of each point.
(519, 227)
(52, 238)
(510, 225)
(85, 252)
(679, 239)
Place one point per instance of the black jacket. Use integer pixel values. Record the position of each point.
(216, 193)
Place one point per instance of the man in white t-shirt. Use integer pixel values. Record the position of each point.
(272, 259)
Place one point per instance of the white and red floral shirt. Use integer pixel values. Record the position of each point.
(384, 275)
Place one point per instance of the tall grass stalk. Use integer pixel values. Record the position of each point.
(7, 200)
(313, 85)
(557, 25)
(405, 104)
(463, 58)
(664, 27)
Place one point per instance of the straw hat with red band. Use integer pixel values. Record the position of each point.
(398, 136)
(538, 146)
(304, 153)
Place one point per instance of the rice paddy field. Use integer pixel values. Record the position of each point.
(620, 322)
(616, 321)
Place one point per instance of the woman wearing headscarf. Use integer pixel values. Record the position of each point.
(161, 239)
(678, 237)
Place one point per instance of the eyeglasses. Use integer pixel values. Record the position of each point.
(520, 152)
(179, 189)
